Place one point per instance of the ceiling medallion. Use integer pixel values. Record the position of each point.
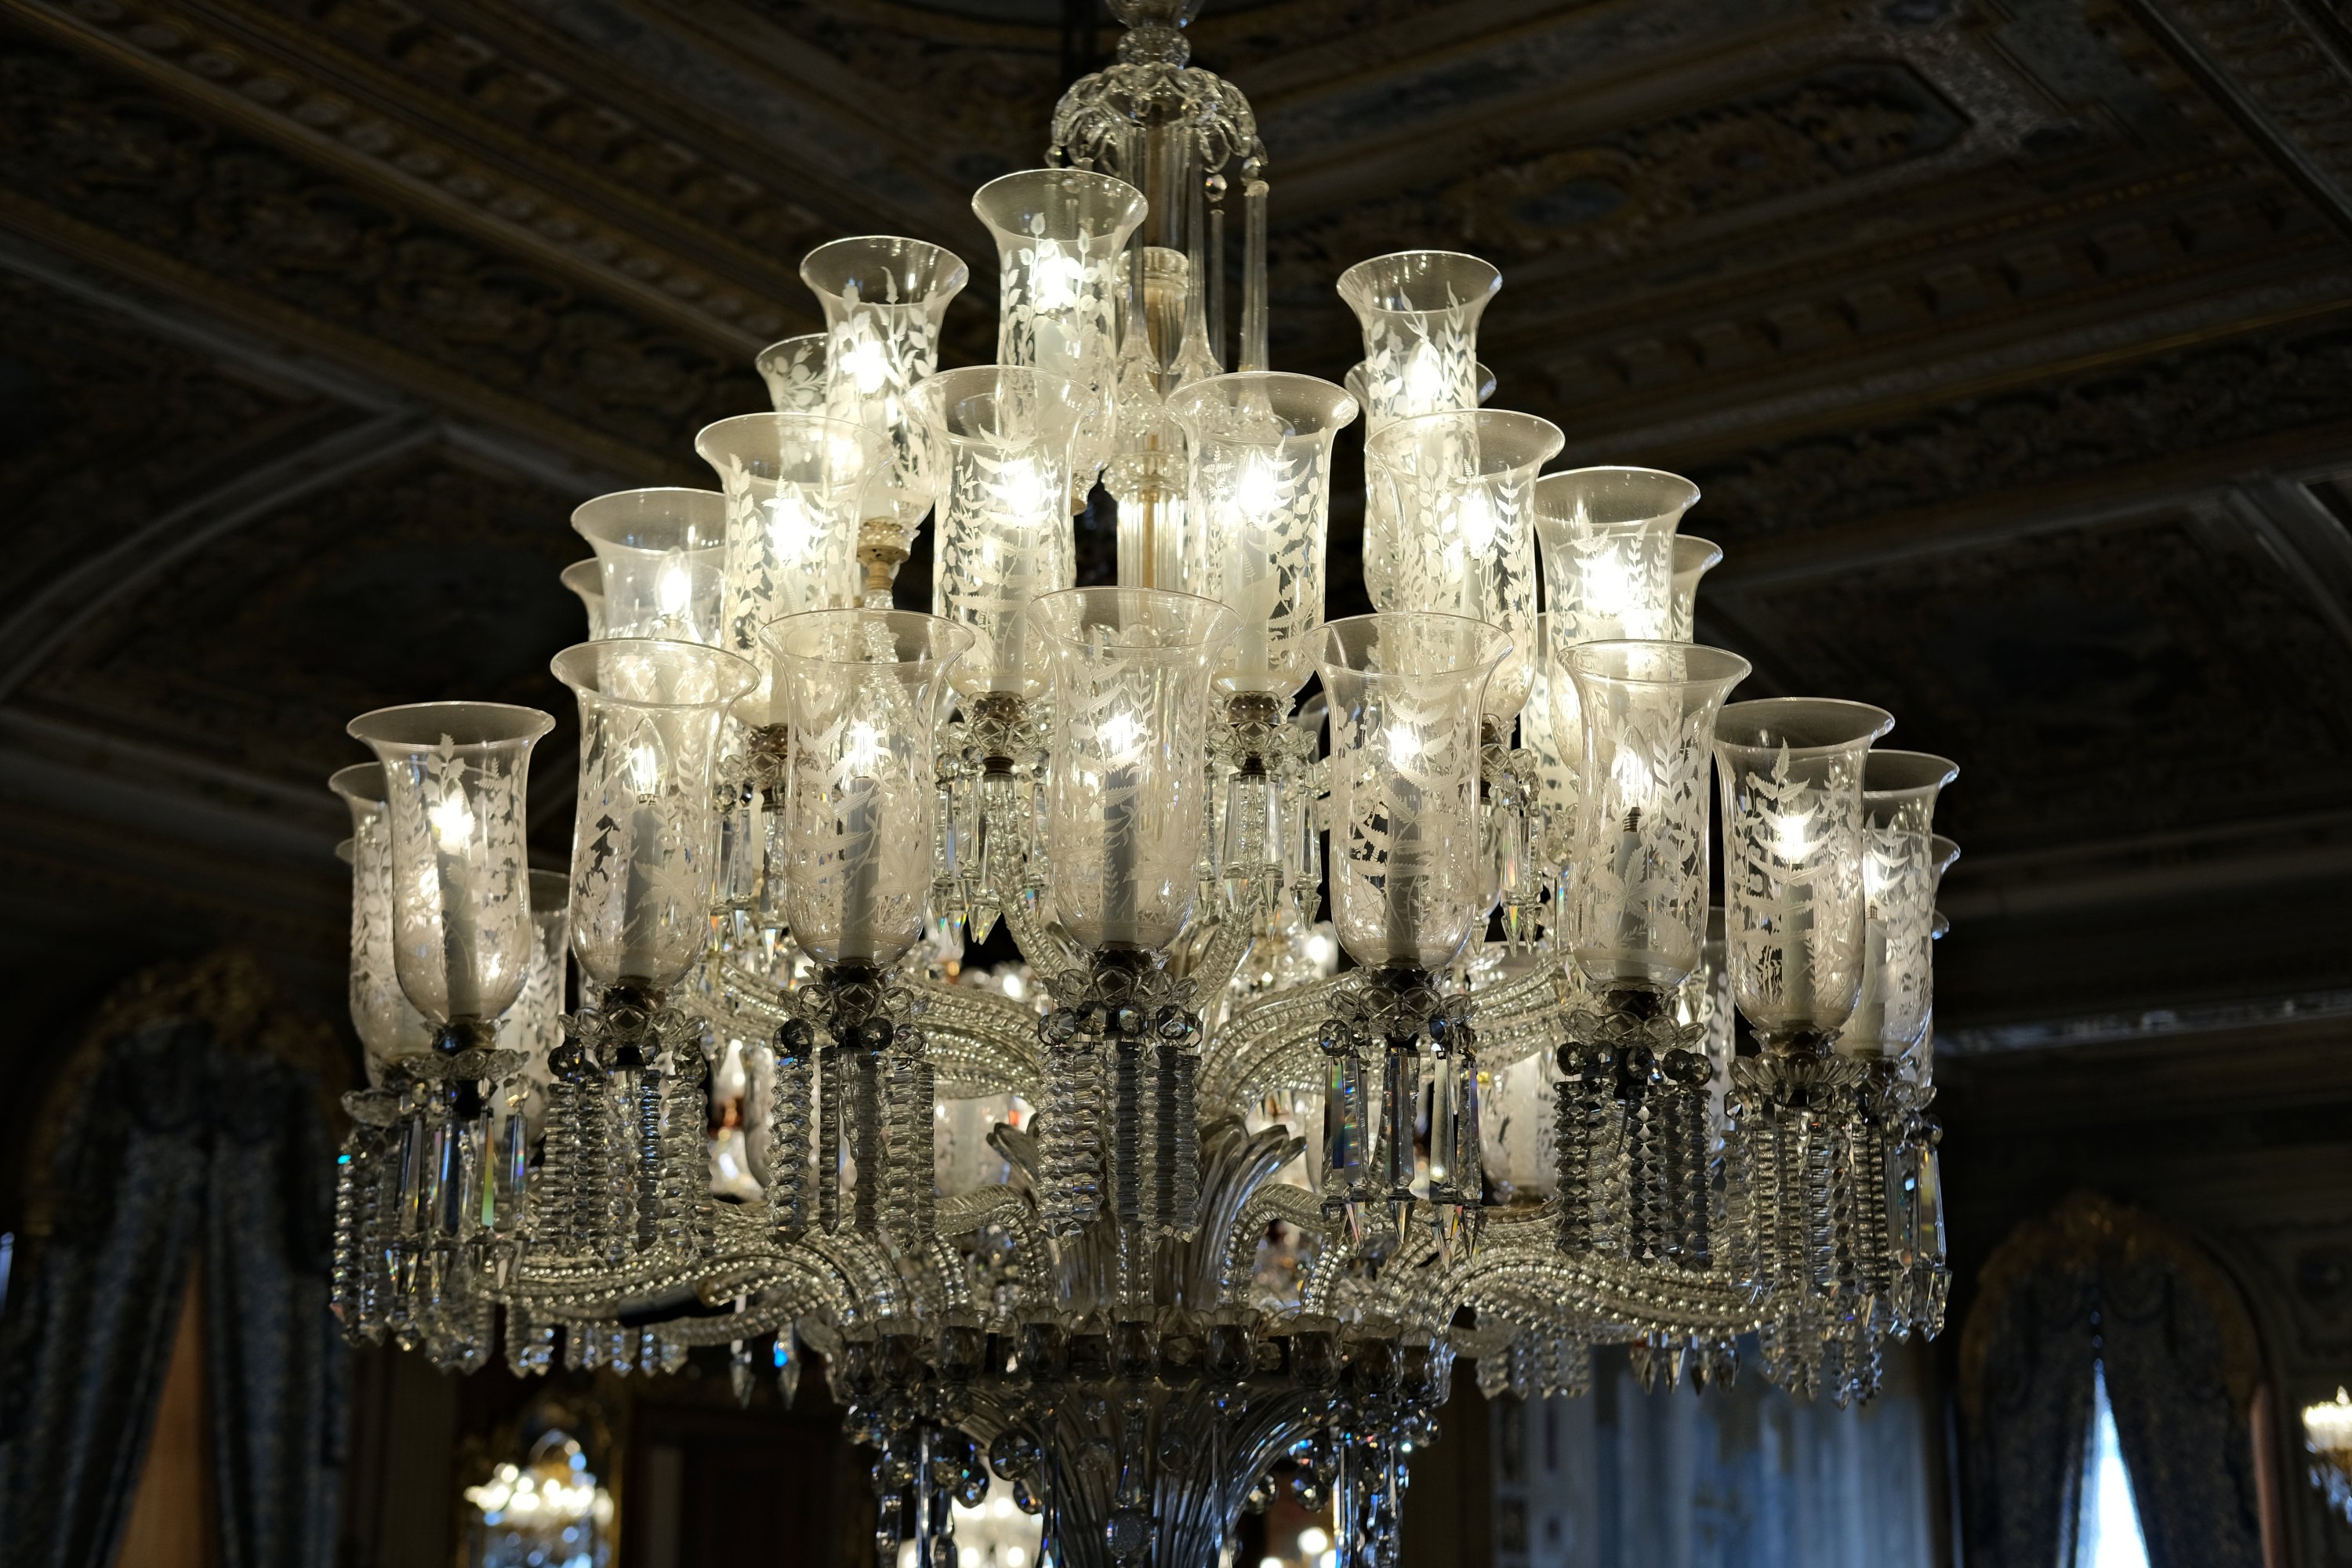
(1174, 1200)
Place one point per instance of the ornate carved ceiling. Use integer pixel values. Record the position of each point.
(2008, 340)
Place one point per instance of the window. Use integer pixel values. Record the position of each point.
(2106, 1533)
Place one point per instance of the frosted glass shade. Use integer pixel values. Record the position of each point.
(387, 1024)
(884, 297)
(1694, 559)
(794, 372)
(1130, 682)
(644, 828)
(662, 555)
(586, 581)
(455, 777)
(1061, 249)
(862, 692)
(1419, 311)
(1899, 872)
(1639, 911)
(1450, 519)
(1790, 773)
(1354, 382)
(1608, 560)
(1258, 499)
(1002, 441)
(1408, 864)
(795, 486)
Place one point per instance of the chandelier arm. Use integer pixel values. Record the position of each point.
(872, 1283)
(980, 1041)
(1008, 1206)
(1233, 1065)
(1278, 1201)
(1057, 965)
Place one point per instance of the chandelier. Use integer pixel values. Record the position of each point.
(1174, 1200)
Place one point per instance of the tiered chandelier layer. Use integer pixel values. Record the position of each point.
(1177, 1200)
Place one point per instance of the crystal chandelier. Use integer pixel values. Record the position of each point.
(1175, 1201)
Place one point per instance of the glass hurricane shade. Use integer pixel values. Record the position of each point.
(455, 776)
(1899, 884)
(794, 372)
(1419, 311)
(1694, 559)
(795, 486)
(1449, 527)
(1354, 382)
(1001, 440)
(645, 831)
(663, 557)
(884, 297)
(1639, 915)
(386, 1022)
(534, 1024)
(1061, 252)
(1125, 797)
(863, 691)
(586, 579)
(1407, 865)
(1608, 561)
(1258, 499)
(1790, 773)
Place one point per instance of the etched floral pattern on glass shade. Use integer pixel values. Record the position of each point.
(1791, 773)
(1419, 312)
(1898, 878)
(1608, 560)
(884, 297)
(1408, 863)
(862, 692)
(796, 373)
(455, 777)
(1639, 911)
(1124, 813)
(662, 557)
(1449, 527)
(1061, 252)
(795, 485)
(1002, 440)
(644, 829)
(387, 1024)
(1259, 499)
(1694, 559)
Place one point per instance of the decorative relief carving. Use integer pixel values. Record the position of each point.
(2158, 407)
(412, 149)
(83, 143)
(109, 426)
(430, 575)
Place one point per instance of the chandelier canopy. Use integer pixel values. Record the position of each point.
(1176, 1198)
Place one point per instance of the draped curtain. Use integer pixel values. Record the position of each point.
(190, 1126)
(2099, 1284)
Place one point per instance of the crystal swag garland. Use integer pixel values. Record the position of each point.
(1176, 1200)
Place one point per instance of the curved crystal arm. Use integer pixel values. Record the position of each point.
(1010, 1207)
(1277, 1201)
(1233, 1065)
(1057, 965)
(1228, 943)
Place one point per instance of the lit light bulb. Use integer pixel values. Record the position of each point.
(1478, 520)
(1013, 1556)
(1405, 747)
(868, 365)
(453, 822)
(673, 591)
(864, 748)
(1022, 490)
(1792, 833)
(1054, 278)
(1636, 784)
(1313, 1542)
(1001, 1507)
(641, 769)
(792, 525)
(1122, 737)
(1257, 490)
(1424, 379)
(1608, 588)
